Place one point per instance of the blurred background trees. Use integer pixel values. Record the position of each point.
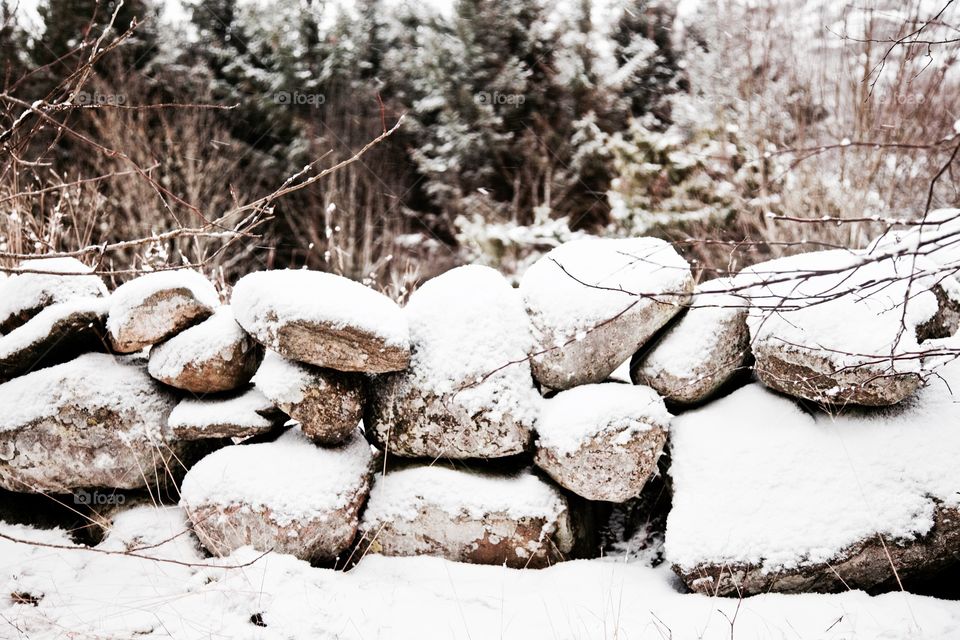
(527, 123)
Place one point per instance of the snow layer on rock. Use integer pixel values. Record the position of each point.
(470, 335)
(130, 295)
(291, 477)
(938, 239)
(282, 380)
(216, 336)
(242, 410)
(758, 480)
(400, 495)
(26, 290)
(100, 379)
(120, 596)
(574, 416)
(845, 305)
(585, 282)
(40, 326)
(265, 300)
(682, 349)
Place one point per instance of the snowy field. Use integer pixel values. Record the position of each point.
(98, 594)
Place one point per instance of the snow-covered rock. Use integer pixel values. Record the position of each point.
(937, 239)
(704, 349)
(517, 520)
(843, 327)
(328, 404)
(57, 333)
(215, 355)
(23, 295)
(323, 319)
(287, 496)
(247, 414)
(468, 392)
(95, 421)
(769, 497)
(602, 441)
(594, 302)
(153, 307)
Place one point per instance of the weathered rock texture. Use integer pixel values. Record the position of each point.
(839, 327)
(59, 332)
(866, 565)
(328, 404)
(519, 520)
(246, 414)
(602, 441)
(701, 351)
(215, 355)
(468, 392)
(156, 306)
(768, 496)
(593, 303)
(322, 319)
(287, 496)
(90, 422)
(41, 283)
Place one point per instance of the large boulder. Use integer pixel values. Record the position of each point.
(153, 307)
(702, 351)
(57, 333)
(42, 282)
(215, 355)
(95, 421)
(594, 302)
(328, 404)
(468, 392)
(769, 496)
(602, 441)
(239, 416)
(516, 520)
(286, 496)
(322, 319)
(844, 327)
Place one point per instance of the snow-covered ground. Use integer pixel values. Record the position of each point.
(91, 594)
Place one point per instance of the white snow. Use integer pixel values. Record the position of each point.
(243, 410)
(470, 337)
(265, 300)
(98, 379)
(156, 531)
(40, 326)
(758, 480)
(689, 344)
(846, 305)
(400, 495)
(130, 295)
(95, 595)
(26, 290)
(583, 283)
(283, 380)
(291, 476)
(217, 336)
(574, 416)
(938, 238)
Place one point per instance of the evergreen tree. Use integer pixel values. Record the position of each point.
(67, 24)
(645, 53)
(13, 44)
